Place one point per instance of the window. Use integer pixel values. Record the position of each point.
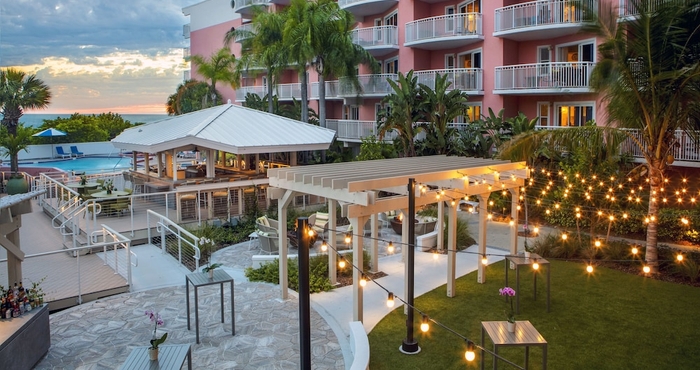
(378, 32)
(471, 59)
(543, 113)
(351, 112)
(391, 65)
(471, 113)
(449, 21)
(449, 61)
(392, 19)
(574, 115)
(583, 52)
(473, 6)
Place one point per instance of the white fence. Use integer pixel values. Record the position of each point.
(467, 79)
(376, 36)
(540, 13)
(544, 76)
(463, 24)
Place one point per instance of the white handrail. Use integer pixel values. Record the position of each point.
(164, 224)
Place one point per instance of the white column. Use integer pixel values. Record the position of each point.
(292, 158)
(439, 226)
(282, 233)
(159, 159)
(483, 211)
(211, 163)
(358, 261)
(374, 254)
(257, 163)
(134, 162)
(146, 162)
(174, 165)
(514, 195)
(451, 249)
(332, 242)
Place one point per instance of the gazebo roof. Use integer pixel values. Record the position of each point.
(358, 183)
(228, 127)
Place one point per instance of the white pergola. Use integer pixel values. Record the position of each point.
(356, 186)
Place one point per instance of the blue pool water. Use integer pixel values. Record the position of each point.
(87, 164)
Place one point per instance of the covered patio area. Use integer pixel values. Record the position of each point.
(364, 189)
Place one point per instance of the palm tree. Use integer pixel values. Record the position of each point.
(649, 75)
(220, 67)
(15, 143)
(189, 97)
(19, 92)
(442, 107)
(404, 107)
(263, 46)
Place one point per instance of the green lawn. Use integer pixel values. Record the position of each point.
(607, 320)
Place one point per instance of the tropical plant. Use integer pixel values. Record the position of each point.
(263, 47)
(87, 127)
(220, 67)
(371, 148)
(189, 96)
(648, 73)
(441, 109)
(403, 109)
(15, 143)
(19, 92)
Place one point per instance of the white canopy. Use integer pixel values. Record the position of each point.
(230, 128)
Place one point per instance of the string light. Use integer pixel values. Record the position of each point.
(535, 265)
(484, 260)
(589, 269)
(311, 232)
(348, 238)
(679, 257)
(363, 280)
(324, 246)
(635, 250)
(425, 324)
(470, 355)
(390, 248)
(646, 269)
(341, 262)
(564, 236)
(390, 300)
(597, 243)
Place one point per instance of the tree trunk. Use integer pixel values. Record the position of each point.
(655, 182)
(270, 106)
(304, 97)
(321, 100)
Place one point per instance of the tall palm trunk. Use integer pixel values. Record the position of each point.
(304, 97)
(321, 100)
(270, 106)
(655, 182)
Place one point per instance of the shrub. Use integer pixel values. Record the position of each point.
(616, 250)
(347, 271)
(318, 274)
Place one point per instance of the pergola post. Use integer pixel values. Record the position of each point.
(282, 234)
(146, 162)
(332, 255)
(211, 163)
(257, 163)
(292, 159)
(374, 254)
(514, 195)
(404, 253)
(451, 249)
(357, 260)
(439, 225)
(159, 166)
(134, 157)
(174, 164)
(483, 211)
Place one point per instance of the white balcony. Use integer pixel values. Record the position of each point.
(185, 53)
(372, 86)
(245, 7)
(283, 92)
(246, 31)
(538, 20)
(332, 90)
(361, 8)
(186, 31)
(544, 78)
(377, 41)
(687, 153)
(628, 12)
(444, 32)
(241, 92)
(469, 80)
(355, 131)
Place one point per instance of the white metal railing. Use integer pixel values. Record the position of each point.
(246, 32)
(356, 130)
(241, 4)
(467, 79)
(375, 84)
(184, 246)
(332, 90)
(186, 31)
(288, 91)
(260, 91)
(463, 24)
(376, 36)
(346, 3)
(688, 149)
(540, 13)
(544, 76)
(627, 10)
(120, 258)
(185, 53)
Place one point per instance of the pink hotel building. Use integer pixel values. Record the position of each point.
(523, 56)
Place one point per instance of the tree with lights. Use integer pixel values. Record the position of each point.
(648, 73)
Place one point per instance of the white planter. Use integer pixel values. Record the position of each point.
(511, 327)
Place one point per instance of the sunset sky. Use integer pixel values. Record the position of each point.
(97, 56)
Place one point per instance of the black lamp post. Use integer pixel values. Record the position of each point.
(410, 345)
(304, 305)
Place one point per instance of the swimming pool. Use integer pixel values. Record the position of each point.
(85, 164)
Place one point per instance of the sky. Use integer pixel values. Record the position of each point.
(120, 56)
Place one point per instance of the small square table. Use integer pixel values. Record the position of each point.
(519, 261)
(199, 279)
(169, 357)
(525, 335)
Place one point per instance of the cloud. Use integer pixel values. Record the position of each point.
(119, 56)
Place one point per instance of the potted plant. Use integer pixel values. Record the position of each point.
(155, 341)
(509, 293)
(108, 186)
(13, 144)
(210, 267)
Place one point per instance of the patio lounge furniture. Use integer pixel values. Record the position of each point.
(267, 225)
(59, 150)
(74, 150)
(269, 243)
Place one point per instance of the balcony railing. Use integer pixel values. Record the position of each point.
(444, 26)
(246, 31)
(361, 8)
(354, 130)
(688, 149)
(244, 6)
(628, 11)
(332, 90)
(288, 91)
(466, 79)
(540, 13)
(186, 31)
(545, 76)
(185, 53)
(371, 37)
(241, 92)
(371, 85)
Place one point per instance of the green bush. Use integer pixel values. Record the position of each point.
(318, 273)
(347, 271)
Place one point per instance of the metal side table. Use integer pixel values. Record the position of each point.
(520, 261)
(169, 357)
(525, 335)
(199, 279)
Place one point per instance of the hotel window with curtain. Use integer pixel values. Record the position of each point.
(471, 113)
(574, 115)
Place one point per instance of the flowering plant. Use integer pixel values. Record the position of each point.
(158, 321)
(83, 180)
(509, 293)
(108, 186)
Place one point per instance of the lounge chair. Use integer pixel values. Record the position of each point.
(59, 150)
(74, 150)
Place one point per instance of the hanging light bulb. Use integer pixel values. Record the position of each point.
(363, 280)
(435, 255)
(564, 236)
(390, 248)
(310, 232)
(679, 257)
(341, 262)
(348, 238)
(536, 230)
(425, 324)
(484, 260)
(324, 246)
(470, 355)
(390, 300)
(635, 250)
(535, 265)
(597, 243)
(589, 269)
(646, 269)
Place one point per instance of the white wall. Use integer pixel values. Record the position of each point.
(44, 151)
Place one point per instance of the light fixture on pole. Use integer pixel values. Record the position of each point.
(410, 345)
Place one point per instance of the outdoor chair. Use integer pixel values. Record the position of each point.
(74, 150)
(269, 243)
(59, 150)
(319, 222)
(120, 205)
